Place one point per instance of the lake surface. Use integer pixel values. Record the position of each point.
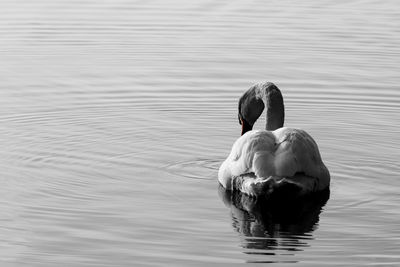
(115, 117)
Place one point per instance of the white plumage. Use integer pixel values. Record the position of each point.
(262, 160)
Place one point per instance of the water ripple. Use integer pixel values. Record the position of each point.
(115, 116)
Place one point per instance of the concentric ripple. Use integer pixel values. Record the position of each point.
(115, 116)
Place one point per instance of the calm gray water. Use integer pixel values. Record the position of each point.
(115, 116)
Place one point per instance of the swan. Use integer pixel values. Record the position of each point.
(263, 161)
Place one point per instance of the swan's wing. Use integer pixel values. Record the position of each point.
(235, 164)
(241, 159)
(297, 149)
(285, 153)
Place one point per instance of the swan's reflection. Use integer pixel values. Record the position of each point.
(274, 223)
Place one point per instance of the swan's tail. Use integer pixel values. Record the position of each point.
(269, 187)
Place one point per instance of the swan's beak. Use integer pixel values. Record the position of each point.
(245, 126)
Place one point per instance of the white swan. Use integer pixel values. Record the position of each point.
(263, 160)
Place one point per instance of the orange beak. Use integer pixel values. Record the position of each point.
(245, 126)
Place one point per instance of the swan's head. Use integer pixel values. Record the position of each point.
(253, 102)
(250, 109)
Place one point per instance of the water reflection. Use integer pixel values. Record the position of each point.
(276, 223)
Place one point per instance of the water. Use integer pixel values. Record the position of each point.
(115, 116)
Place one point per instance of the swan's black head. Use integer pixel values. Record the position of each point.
(250, 108)
(252, 104)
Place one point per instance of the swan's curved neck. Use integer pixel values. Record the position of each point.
(275, 109)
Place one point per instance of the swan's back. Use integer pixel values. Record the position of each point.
(286, 153)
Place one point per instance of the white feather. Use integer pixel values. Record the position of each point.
(285, 155)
